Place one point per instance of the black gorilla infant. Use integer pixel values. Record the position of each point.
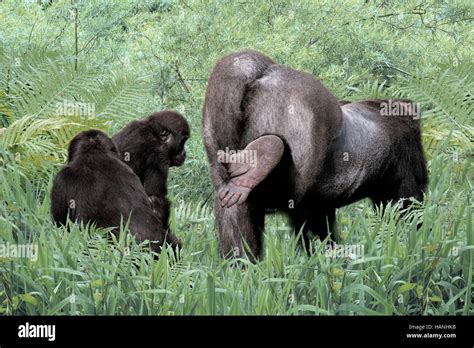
(150, 147)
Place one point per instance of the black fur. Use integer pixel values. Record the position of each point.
(150, 147)
(96, 186)
(334, 155)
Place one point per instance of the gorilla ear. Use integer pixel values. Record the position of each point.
(160, 132)
(164, 133)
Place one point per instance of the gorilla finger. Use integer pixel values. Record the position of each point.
(243, 196)
(223, 192)
(235, 198)
(227, 198)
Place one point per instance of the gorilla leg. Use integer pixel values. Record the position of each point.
(400, 194)
(240, 228)
(409, 187)
(314, 223)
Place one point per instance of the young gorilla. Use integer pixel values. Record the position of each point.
(150, 147)
(96, 186)
(312, 155)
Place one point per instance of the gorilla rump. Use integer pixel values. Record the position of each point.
(312, 155)
(96, 186)
(150, 147)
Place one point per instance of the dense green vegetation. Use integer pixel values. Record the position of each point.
(129, 58)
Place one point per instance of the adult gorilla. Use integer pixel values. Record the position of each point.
(310, 155)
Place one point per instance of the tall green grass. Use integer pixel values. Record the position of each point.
(141, 56)
(403, 270)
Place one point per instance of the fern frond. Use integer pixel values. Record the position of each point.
(39, 143)
(120, 97)
(370, 90)
(40, 86)
(449, 95)
(39, 89)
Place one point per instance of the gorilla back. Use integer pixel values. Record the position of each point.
(96, 186)
(253, 104)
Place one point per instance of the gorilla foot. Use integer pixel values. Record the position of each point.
(246, 175)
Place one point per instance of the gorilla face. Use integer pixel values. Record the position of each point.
(172, 131)
(174, 142)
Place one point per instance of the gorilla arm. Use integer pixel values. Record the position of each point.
(244, 177)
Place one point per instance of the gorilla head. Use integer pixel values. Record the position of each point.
(92, 141)
(173, 131)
